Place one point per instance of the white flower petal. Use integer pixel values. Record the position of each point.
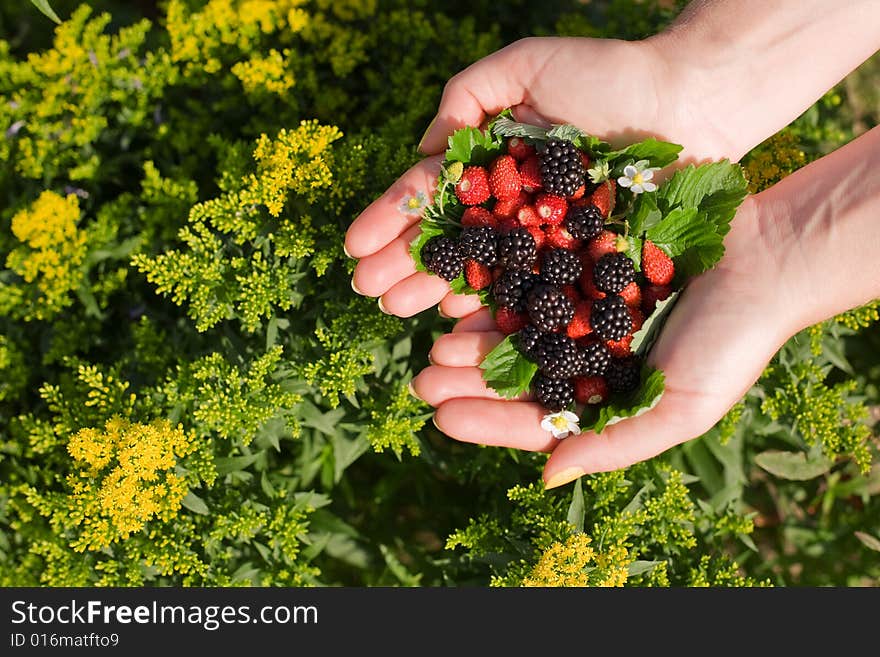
(641, 164)
(560, 435)
(571, 417)
(629, 171)
(647, 174)
(547, 424)
(649, 187)
(637, 188)
(623, 181)
(576, 430)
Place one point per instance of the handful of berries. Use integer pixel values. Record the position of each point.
(573, 245)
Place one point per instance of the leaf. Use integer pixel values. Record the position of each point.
(504, 126)
(716, 189)
(870, 542)
(43, 6)
(693, 243)
(566, 132)
(641, 567)
(576, 508)
(634, 251)
(195, 504)
(460, 286)
(640, 401)
(234, 463)
(792, 465)
(645, 214)
(645, 337)
(471, 145)
(507, 371)
(658, 153)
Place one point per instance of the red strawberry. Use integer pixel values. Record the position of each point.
(620, 348)
(508, 207)
(605, 242)
(507, 224)
(585, 159)
(528, 216)
(656, 265)
(473, 188)
(632, 295)
(637, 317)
(509, 321)
(604, 197)
(578, 194)
(477, 274)
(588, 287)
(519, 148)
(530, 173)
(580, 326)
(590, 389)
(538, 234)
(551, 208)
(504, 180)
(559, 237)
(477, 216)
(651, 294)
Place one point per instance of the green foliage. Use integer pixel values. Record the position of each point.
(191, 395)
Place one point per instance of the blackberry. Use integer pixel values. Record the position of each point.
(623, 374)
(558, 356)
(562, 170)
(584, 222)
(549, 308)
(610, 318)
(528, 339)
(443, 256)
(595, 358)
(480, 243)
(512, 289)
(517, 249)
(613, 272)
(560, 267)
(553, 394)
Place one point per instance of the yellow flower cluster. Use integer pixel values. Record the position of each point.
(265, 74)
(576, 563)
(126, 479)
(773, 160)
(49, 259)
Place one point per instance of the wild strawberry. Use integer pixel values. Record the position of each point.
(559, 237)
(604, 197)
(578, 195)
(509, 321)
(656, 265)
(585, 159)
(477, 216)
(507, 224)
(504, 180)
(632, 295)
(538, 234)
(588, 287)
(508, 207)
(652, 294)
(551, 208)
(605, 242)
(528, 216)
(637, 317)
(477, 274)
(620, 348)
(580, 326)
(473, 188)
(590, 389)
(530, 174)
(519, 149)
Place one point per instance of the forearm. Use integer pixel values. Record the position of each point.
(824, 223)
(752, 66)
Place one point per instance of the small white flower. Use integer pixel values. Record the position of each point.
(561, 424)
(638, 177)
(413, 205)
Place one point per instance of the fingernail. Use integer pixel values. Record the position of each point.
(563, 477)
(427, 130)
(441, 313)
(345, 250)
(412, 390)
(355, 287)
(382, 306)
(430, 358)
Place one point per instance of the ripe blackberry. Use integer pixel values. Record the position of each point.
(517, 249)
(553, 394)
(595, 358)
(480, 243)
(558, 356)
(613, 272)
(528, 339)
(562, 170)
(512, 289)
(442, 256)
(549, 308)
(584, 222)
(560, 267)
(623, 374)
(610, 318)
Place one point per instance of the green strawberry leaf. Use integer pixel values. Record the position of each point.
(460, 285)
(472, 146)
(716, 189)
(621, 407)
(658, 153)
(645, 337)
(645, 214)
(687, 237)
(634, 252)
(507, 371)
(505, 126)
(792, 465)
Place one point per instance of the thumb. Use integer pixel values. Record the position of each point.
(485, 88)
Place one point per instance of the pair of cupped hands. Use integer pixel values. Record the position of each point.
(722, 332)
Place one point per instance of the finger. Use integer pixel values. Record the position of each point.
(486, 87)
(480, 321)
(375, 274)
(437, 384)
(385, 219)
(464, 349)
(413, 295)
(460, 305)
(514, 424)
